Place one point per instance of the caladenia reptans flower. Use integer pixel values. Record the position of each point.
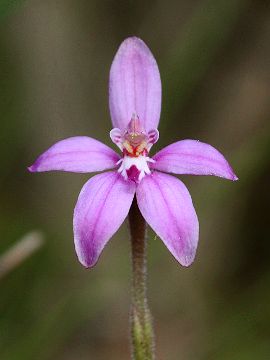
(161, 199)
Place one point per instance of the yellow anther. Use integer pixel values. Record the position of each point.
(128, 147)
(141, 147)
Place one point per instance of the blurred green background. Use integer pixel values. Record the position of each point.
(214, 59)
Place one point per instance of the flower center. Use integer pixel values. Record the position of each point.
(134, 164)
(135, 144)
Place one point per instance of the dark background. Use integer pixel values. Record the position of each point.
(214, 59)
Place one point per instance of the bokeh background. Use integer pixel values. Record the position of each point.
(214, 59)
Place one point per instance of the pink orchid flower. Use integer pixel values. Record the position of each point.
(105, 200)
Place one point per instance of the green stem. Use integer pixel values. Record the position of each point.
(142, 335)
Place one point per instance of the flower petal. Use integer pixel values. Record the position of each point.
(153, 136)
(135, 86)
(102, 206)
(193, 157)
(166, 205)
(80, 154)
(117, 137)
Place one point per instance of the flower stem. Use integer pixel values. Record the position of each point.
(142, 335)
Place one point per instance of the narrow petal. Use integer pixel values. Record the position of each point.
(80, 154)
(166, 205)
(193, 157)
(102, 206)
(135, 86)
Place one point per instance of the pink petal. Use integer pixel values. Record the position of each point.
(193, 157)
(102, 206)
(153, 136)
(166, 205)
(80, 154)
(117, 137)
(135, 86)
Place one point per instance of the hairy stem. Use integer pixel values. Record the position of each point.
(142, 335)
